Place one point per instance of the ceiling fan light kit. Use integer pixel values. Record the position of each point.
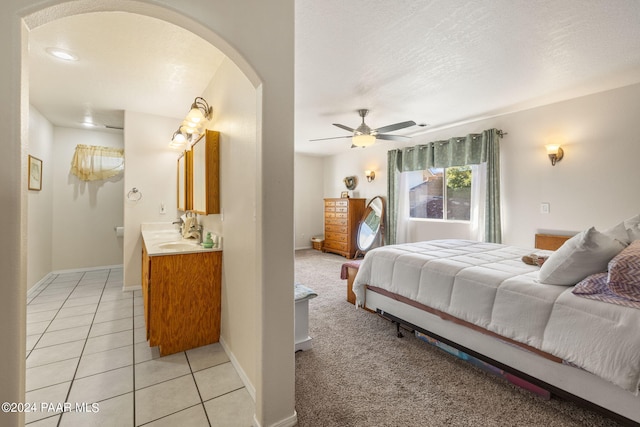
(363, 136)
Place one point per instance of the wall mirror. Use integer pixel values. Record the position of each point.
(184, 182)
(372, 225)
(199, 175)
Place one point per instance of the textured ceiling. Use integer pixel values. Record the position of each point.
(126, 62)
(442, 62)
(438, 62)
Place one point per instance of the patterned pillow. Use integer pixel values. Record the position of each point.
(595, 287)
(594, 284)
(624, 272)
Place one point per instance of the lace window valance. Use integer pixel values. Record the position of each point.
(93, 163)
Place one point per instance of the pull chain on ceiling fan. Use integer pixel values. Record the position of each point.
(364, 136)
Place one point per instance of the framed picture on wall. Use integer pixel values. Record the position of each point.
(345, 195)
(35, 173)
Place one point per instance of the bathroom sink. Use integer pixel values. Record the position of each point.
(179, 246)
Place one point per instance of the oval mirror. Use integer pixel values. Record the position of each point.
(371, 224)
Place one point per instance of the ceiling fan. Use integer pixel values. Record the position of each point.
(364, 136)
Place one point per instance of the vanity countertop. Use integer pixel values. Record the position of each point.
(165, 239)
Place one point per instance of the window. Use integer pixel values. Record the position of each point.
(441, 193)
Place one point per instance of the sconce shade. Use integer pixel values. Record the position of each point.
(363, 140)
(370, 175)
(555, 153)
(200, 110)
(178, 140)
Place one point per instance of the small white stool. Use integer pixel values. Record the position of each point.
(302, 297)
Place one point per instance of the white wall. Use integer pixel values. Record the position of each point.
(309, 192)
(84, 212)
(595, 184)
(355, 162)
(234, 101)
(40, 203)
(151, 167)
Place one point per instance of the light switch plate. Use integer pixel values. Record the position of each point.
(544, 208)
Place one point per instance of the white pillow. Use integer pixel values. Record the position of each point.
(631, 222)
(634, 232)
(584, 254)
(618, 232)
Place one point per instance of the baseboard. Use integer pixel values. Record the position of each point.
(131, 288)
(72, 270)
(243, 376)
(287, 422)
(303, 247)
(77, 270)
(38, 284)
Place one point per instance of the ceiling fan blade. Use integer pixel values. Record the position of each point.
(396, 126)
(392, 137)
(347, 128)
(335, 137)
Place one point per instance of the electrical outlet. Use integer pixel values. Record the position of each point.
(163, 209)
(544, 208)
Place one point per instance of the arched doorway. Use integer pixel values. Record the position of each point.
(270, 274)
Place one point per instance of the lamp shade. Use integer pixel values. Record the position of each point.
(363, 140)
(552, 148)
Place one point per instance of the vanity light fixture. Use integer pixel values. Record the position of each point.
(200, 110)
(178, 140)
(193, 125)
(555, 153)
(371, 175)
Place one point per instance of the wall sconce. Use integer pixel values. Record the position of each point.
(193, 124)
(555, 153)
(200, 110)
(371, 175)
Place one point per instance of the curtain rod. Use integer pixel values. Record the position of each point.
(501, 134)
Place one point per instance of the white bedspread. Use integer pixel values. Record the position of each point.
(488, 285)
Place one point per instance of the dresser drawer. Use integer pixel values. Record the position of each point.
(329, 202)
(344, 215)
(329, 215)
(336, 237)
(342, 209)
(335, 245)
(336, 228)
(342, 203)
(329, 208)
(335, 221)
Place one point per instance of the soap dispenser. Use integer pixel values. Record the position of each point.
(208, 241)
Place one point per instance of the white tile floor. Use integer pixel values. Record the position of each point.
(86, 345)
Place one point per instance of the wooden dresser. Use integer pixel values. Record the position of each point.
(341, 220)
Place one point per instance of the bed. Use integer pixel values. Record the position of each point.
(483, 299)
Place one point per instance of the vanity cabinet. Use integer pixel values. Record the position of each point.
(341, 219)
(205, 173)
(181, 295)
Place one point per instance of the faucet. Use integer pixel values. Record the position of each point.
(180, 222)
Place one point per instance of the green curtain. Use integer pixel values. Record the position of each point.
(472, 149)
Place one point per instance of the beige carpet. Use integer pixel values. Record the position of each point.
(358, 372)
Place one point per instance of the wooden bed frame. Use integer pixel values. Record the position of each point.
(536, 367)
